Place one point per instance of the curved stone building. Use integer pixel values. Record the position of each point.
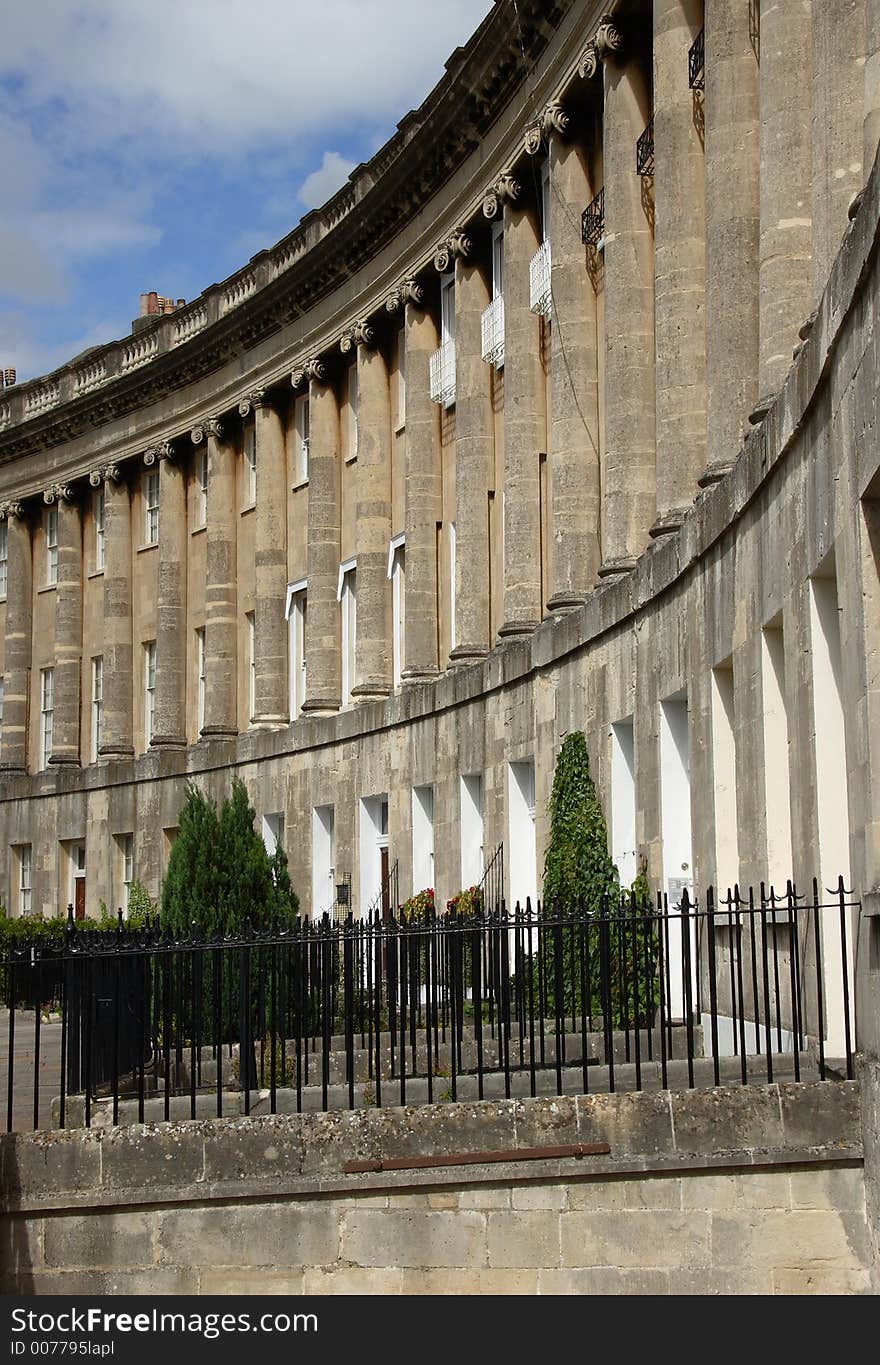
(504, 441)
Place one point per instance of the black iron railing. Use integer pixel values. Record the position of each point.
(326, 1015)
(645, 151)
(492, 882)
(696, 61)
(593, 220)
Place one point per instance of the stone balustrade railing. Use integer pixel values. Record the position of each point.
(139, 350)
(189, 322)
(89, 377)
(42, 398)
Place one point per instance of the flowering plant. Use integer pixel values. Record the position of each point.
(468, 903)
(418, 907)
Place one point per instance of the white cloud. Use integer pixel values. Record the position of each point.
(109, 111)
(220, 77)
(330, 176)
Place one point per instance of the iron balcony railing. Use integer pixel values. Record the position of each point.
(442, 375)
(387, 903)
(593, 220)
(696, 61)
(328, 1015)
(645, 151)
(492, 328)
(539, 281)
(492, 881)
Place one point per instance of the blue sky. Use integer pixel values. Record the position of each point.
(158, 144)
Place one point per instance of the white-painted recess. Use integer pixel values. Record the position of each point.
(675, 801)
(724, 779)
(777, 779)
(472, 858)
(422, 838)
(521, 832)
(372, 838)
(623, 800)
(832, 802)
(323, 860)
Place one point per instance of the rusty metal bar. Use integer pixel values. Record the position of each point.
(426, 1163)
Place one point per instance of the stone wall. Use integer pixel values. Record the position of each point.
(759, 1190)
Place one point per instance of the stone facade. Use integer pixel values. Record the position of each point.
(312, 536)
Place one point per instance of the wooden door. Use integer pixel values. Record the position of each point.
(79, 891)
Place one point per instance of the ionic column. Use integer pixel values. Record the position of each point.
(784, 276)
(271, 707)
(574, 375)
(423, 510)
(525, 428)
(679, 265)
(68, 629)
(628, 493)
(474, 460)
(19, 597)
(732, 219)
(221, 596)
(373, 512)
(117, 651)
(169, 725)
(837, 134)
(871, 127)
(323, 636)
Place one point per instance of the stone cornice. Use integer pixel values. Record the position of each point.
(328, 246)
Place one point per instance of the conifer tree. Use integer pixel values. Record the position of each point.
(577, 866)
(220, 875)
(191, 888)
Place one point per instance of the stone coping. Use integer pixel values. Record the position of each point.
(304, 1154)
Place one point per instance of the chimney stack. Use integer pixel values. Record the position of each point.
(7, 377)
(154, 305)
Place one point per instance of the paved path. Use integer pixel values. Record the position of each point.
(23, 1057)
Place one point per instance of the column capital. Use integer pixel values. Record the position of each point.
(11, 509)
(506, 189)
(309, 369)
(211, 426)
(408, 291)
(103, 473)
(361, 334)
(58, 492)
(259, 398)
(553, 120)
(608, 38)
(164, 450)
(458, 244)
(589, 62)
